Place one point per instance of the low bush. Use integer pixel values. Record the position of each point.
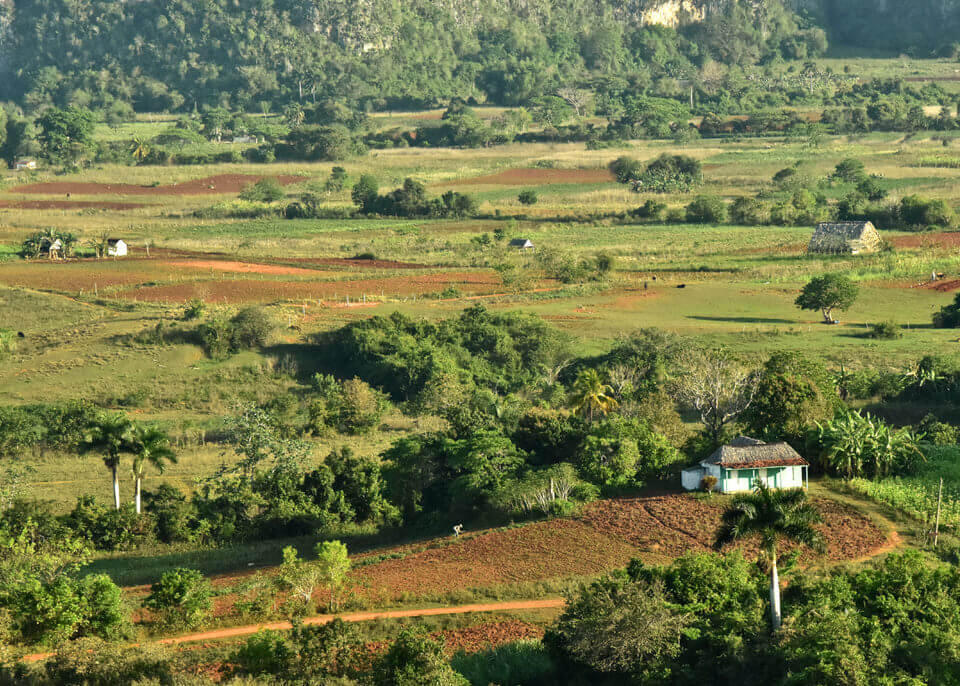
(885, 331)
(181, 599)
(706, 209)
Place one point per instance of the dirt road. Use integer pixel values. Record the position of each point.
(233, 632)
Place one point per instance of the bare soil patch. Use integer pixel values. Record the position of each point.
(536, 177)
(544, 550)
(355, 263)
(944, 239)
(946, 286)
(243, 267)
(210, 185)
(673, 525)
(69, 205)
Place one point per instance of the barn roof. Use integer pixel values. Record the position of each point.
(844, 237)
(520, 242)
(750, 453)
(847, 230)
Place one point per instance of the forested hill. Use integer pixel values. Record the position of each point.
(919, 27)
(178, 54)
(186, 54)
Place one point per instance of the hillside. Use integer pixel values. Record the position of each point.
(181, 54)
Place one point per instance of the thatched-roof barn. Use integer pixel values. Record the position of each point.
(738, 465)
(845, 238)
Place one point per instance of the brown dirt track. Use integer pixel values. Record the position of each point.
(536, 177)
(210, 185)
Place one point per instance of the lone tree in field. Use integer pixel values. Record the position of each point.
(828, 293)
(151, 446)
(592, 397)
(111, 436)
(773, 515)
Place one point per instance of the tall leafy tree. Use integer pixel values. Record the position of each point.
(772, 515)
(112, 436)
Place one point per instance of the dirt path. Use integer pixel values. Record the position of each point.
(233, 632)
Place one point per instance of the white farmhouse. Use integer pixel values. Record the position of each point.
(116, 247)
(739, 464)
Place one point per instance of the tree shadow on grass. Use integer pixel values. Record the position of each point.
(745, 320)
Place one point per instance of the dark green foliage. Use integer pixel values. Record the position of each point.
(320, 143)
(706, 209)
(828, 293)
(107, 528)
(854, 444)
(523, 662)
(626, 169)
(306, 655)
(886, 331)
(651, 209)
(407, 358)
(917, 212)
(620, 452)
(850, 170)
(527, 198)
(668, 174)
(792, 394)
(433, 473)
(747, 211)
(181, 599)
(66, 134)
(949, 315)
(264, 190)
(410, 201)
(96, 662)
(936, 432)
(414, 659)
(250, 328)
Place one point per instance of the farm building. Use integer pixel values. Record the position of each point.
(521, 244)
(116, 247)
(850, 238)
(25, 163)
(53, 249)
(737, 465)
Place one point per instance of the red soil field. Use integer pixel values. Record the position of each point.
(945, 239)
(243, 267)
(941, 286)
(242, 291)
(355, 263)
(211, 185)
(69, 205)
(606, 536)
(535, 177)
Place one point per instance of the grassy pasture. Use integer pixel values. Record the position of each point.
(79, 317)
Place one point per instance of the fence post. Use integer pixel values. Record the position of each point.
(936, 528)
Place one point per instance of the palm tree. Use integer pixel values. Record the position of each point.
(111, 436)
(773, 515)
(140, 149)
(591, 396)
(150, 446)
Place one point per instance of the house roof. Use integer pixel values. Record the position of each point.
(846, 230)
(521, 242)
(114, 241)
(750, 453)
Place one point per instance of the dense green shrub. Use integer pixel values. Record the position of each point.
(267, 189)
(706, 209)
(181, 599)
(949, 315)
(621, 452)
(669, 174)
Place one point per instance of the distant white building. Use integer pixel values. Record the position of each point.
(116, 247)
(245, 139)
(25, 163)
(521, 244)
